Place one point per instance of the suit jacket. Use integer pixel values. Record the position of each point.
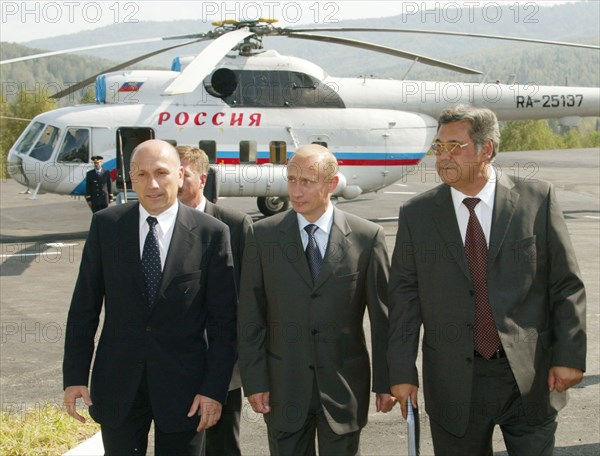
(98, 187)
(196, 301)
(238, 224)
(535, 291)
(291, 330)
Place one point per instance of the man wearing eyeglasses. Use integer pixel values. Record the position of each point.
(485, 264)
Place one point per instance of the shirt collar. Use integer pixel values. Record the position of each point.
(324, 222)
(202, 206)
(486, 194)
(166, 219)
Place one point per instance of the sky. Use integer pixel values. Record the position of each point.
(22, 21)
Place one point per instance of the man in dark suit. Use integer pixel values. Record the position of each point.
(484, 262)
(167, 348)
(98, 186)
(307, 277)
(223, 439)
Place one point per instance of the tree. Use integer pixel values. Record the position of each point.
(15, 117)
(528, 135)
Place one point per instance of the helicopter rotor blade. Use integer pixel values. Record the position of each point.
(290, 31)
(80, 85)
(204, 62)
(88, 48)
(386, 50)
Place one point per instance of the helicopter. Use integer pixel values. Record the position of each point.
(249, 108)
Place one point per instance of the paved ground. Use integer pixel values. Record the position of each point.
(41, 242)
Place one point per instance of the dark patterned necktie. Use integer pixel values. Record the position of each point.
(485, 336)
(313, 254)
(151, 266)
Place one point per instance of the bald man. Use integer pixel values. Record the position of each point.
(164, 274)
(307, 277)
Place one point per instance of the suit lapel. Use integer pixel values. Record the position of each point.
(179, 248)
(337, 247)
(447, 225)
(505, 202)
(130, 227)
(290, 236)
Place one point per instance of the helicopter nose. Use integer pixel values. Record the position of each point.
(14, 166)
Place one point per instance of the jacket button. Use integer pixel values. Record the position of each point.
(148, 329)
(311, 367)
(314, 332)
(314, 295)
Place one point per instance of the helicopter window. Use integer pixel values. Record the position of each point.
(278, 152)
(210, 147)
(247, 151)
(320, 143)
(258, 88)
(31, 135)
(76, 146)
(45, 145)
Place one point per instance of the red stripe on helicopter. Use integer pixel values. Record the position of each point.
(262, 161)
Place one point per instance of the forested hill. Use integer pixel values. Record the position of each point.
(530, 63)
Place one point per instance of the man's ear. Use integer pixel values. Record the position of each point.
(333, 183)
(203, 178)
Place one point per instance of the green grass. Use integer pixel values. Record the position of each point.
(46, 430)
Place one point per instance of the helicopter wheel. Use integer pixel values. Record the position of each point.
(272, 205)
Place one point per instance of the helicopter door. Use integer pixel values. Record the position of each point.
(277, 152)
(127, 139)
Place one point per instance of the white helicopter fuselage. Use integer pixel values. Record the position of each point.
(377, 129)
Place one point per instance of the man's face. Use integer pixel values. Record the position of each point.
(191, 192)
(97, 164)
(310, 185)
(156, 176)
(464, 169)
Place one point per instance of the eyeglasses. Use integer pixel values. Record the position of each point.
(452, 148)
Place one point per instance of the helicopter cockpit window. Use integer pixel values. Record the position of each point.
(31, 135)
(46, 144)
(76, 146)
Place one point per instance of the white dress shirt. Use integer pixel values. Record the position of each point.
(483, 210)
(322, 234)
(202, 206)
(164, 230)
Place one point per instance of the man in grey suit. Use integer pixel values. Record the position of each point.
(303, 356)
(484, 262)
(223, 439)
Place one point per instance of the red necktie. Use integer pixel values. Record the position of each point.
(485, 336)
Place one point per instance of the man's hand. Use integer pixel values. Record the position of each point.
(208, 409)
(260, 402)
(403, 393)
(384, 402)
(562, 378)
(72, 393)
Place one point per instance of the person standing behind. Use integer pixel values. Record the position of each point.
(224, 437)
(307, 277)
(98, 186)
(164, 274)
(485, 264)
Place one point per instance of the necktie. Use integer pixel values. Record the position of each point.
(485, 333)
(313, 255)
(151, 262)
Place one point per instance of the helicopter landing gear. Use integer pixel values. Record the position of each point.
(271, 205)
